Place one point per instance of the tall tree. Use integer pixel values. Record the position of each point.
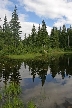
(25, 40)
(15, 27)
(60, 39)
(38, 38)
(6, 31)
(5, 25)
(69, 35)
(44, 34)
(64, 37)
(54, 38)
(0, 26)
(33, 35)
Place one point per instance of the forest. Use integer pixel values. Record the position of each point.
(36, 42)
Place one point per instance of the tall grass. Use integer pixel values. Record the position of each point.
(9, 97)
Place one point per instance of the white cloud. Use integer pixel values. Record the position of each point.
(5, 3)
(50, 93)
(61, 10)
(4, 10)
(23, 17)
(53, 9)
(48, 8)
(60, 22)
(26, 26)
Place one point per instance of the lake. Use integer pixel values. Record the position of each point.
(45, 81)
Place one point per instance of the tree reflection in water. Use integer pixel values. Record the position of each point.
(9, 70)
(62, 65)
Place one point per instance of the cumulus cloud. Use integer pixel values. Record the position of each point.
(52, 91)
(61, 10)
(4, 10)
(58, 10)
(26, 26)
(5, 3)
(60, 22)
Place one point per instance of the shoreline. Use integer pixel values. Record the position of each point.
(34, 55)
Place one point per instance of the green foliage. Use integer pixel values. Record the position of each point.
(63, 38)
(31, 105)
(54, 38)
(5, 25)
(15, 28)
(9, 96)
(33, 36)
(36, 42)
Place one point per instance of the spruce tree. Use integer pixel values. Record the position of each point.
(29, 40)
(64, 37)
(6, 31)
(33, 35)
(60, 39)
(54, 38)
(25, 40)
(15, 27)
(38, 38)
(0, 26)
(69, 36)
(44, 34)
(5, 24)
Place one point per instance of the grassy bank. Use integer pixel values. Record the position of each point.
(42, 52)
(35, 55)
(25, 56)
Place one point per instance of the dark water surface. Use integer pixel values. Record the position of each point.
(46, 81)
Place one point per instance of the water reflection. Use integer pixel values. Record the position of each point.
(61, 65)
(57, 65)
(44, 79)
(38, 67)
(9, 70)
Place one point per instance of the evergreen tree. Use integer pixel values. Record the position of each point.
(60, 39)
(38, 38)
(64, 37)
(29, 40)
(0, 26)
(7, 33)
(69, 35)
(33, 35)
(15, 27)
(54, 38)
(5, 25)
(44, 34)
(25, 40)
(25, 43)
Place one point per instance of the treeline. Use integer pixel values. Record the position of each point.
(11, 42)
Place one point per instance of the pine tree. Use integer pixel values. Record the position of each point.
(5, 25)
(33, 35)
(64, 37)
(29, 40)
(60, 39)
(44, 34)
(25, 40)
(69, 35)
(54, 38)
(6, 31)
(15, 27)
(0, 26)
(38, 38)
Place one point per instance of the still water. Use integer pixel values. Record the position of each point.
(45, 81)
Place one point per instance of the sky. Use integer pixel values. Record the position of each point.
(54, 12)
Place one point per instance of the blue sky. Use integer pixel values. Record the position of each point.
(54, 12)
